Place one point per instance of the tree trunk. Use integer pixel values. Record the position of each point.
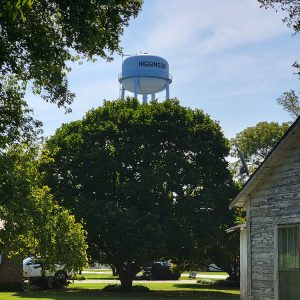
(114, 270)
(233, 271)
(126, 280)
(126, 272)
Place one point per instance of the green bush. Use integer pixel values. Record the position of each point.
(219, 283)
(207, 282)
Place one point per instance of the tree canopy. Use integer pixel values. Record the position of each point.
(17, 124)
(150, 181)
(290, 103)
(34, 224)
(39, 38)
(255, 143)
(38, 41)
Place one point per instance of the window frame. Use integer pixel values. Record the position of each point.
(286, 226)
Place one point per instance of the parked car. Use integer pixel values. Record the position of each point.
(32, 271)
(159, 271)
(193, 274)
(214, 268)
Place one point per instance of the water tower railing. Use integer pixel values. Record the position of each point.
(163, 76)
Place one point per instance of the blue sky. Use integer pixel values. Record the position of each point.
(230, 58)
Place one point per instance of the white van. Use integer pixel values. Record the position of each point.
(32, 271)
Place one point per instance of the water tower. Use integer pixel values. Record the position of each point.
(145, 75)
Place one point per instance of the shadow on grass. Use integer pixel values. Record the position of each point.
(82, 294)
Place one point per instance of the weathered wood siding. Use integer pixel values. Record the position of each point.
(276, 201)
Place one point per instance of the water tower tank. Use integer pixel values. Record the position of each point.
(145, 74)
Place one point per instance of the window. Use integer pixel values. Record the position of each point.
(288, 262)
(288, 247)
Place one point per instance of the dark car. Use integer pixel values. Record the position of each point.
(159, 271)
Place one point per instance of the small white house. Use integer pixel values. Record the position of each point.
(270, 241)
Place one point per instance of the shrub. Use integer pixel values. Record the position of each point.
(207, 282)
(220, 283)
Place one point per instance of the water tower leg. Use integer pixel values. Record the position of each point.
(167, 90)
(136, 83)
(145, 98)
(123, 93)
(153, 96)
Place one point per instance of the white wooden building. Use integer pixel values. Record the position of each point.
(270, 241)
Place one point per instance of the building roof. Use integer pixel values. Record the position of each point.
(258, 176)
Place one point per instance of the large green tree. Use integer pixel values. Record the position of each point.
(39, 38)
(149, 180)
(253, 144)
(34, 224)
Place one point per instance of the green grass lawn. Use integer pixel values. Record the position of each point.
(91, 275)
(175, 287)
(79, 294)
(159, 291)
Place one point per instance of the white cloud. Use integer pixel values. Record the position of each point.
(209, 26)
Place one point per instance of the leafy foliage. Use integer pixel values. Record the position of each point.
(39, 38)
(33, 223)
(291, 7)
(58, 238)
(226, 254)
(15, 8)
(256, 142)
(290, 103)
(150, 181)
(17, 124)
